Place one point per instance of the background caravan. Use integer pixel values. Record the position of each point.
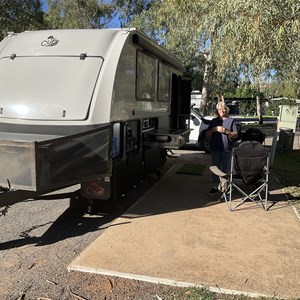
(96, 107)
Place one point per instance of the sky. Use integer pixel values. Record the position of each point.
(115, 23)
(44, 5)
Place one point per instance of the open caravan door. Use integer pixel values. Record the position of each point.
(178, 134)
(181, 102)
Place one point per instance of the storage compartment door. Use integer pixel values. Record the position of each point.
(74, 159)
(37, 165)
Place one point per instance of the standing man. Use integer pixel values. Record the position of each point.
(222, 131)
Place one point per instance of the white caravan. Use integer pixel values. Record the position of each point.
(96, 107)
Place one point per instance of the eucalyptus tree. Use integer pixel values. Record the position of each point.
(80, 13)
(262, 37)
(180, 26)
(20, 15)
(128, 10)
(255, 38)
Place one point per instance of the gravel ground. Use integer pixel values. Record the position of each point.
(39, 238)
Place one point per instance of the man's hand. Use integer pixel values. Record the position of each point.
(220, 129)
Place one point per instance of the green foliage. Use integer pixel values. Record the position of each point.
(194, 70)
(258, 35)
(238, 36)
(247, 108)
(130, 9)
(20, 15)
(64, 14)
(273, 108)
(245, 91)
(283, 88)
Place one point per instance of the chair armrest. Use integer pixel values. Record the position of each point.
(217, 171)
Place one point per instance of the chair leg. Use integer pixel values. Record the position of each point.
(266, 196)
(230, 196)
(224, 195)
(253, 195)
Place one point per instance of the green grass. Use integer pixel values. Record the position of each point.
(191, 169)
(286, 168)
(203, 293)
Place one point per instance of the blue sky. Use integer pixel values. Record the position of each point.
(115, 23)
(44, 5)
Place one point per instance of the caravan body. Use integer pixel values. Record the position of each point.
(76, 105)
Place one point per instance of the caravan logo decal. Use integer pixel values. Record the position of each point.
(50, 41)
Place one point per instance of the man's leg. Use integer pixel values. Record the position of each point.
(216, 161)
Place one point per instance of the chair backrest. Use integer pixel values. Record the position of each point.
(253, 134)
(249, 161)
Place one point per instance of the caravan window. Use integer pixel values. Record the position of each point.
(48, 87)
(164, 82)
(146, 77)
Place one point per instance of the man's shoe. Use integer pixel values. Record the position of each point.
(213, 191)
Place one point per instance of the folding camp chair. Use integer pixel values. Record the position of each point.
(249, 171)
(253, 134)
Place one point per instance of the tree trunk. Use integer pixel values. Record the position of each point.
(205, 85)
(258, 110)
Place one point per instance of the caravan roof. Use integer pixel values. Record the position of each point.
(71, 42)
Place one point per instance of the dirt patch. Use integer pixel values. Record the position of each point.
(178, 234)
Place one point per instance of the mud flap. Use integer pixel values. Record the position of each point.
(99, 188)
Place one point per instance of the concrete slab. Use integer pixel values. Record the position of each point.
(177, 234)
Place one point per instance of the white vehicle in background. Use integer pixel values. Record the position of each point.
(199, 125)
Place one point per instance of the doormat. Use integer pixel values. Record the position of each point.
(191, 169)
